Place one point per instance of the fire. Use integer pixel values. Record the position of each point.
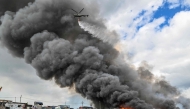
(126, 108)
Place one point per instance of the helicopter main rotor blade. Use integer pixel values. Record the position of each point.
(75, 11)
(81, 10)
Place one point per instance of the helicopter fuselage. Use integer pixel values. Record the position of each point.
(79, 15)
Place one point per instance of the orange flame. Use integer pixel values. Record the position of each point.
(125, 108)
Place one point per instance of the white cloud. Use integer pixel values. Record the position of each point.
(167, 48)
(173, 3)
(123, 19)
(186, 93)
(186, 3)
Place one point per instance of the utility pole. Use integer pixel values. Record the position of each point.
(82, 104)
(15, 99)
(20, 98)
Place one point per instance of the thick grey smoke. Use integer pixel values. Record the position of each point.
(48, 37)
(12, 5)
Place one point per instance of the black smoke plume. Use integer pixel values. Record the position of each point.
(48, 37)
(12, 5)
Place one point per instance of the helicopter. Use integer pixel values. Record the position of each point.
(78, 14)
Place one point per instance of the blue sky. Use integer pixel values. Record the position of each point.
(166, 10)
